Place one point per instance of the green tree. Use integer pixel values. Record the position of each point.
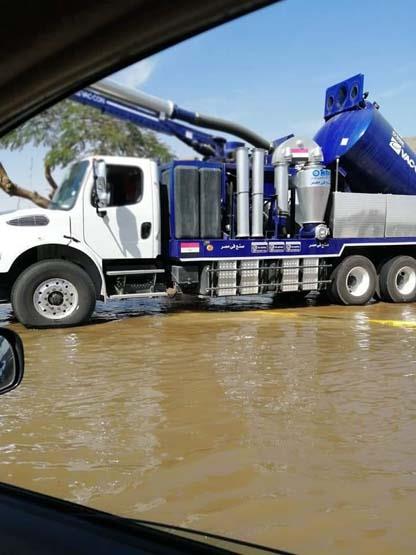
(71, 131)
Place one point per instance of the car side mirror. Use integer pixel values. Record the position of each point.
(101, 190)
(11, 360)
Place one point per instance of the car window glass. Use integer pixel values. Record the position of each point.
(125, 185)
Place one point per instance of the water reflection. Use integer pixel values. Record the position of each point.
(291, 427)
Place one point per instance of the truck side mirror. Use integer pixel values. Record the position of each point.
(11, 360)
(101, 190)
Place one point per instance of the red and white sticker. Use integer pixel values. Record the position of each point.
(189, 248)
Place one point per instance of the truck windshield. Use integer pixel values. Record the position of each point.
(66, 195)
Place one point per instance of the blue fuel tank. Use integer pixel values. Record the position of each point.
(373, 155)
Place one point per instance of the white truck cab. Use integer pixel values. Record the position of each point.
(53, 262)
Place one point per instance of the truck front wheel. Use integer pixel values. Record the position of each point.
(53, 293)
(354, 281)
(398, 280)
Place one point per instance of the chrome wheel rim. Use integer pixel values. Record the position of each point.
(406, 280)
(358, 281)
(55, 298)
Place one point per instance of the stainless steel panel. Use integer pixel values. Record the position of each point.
(227, 278)
(358, 215)
(290, 274)
(310, 274)
(249, 277)
(401, 216)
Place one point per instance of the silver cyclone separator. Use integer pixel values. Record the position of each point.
(312, 179)
(313, 185)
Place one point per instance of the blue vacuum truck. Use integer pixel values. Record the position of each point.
(334, 214)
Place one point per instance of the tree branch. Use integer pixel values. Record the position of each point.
(50, 179)
(14, 190)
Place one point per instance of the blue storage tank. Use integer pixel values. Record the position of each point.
(373, 155)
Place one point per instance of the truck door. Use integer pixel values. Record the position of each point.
(124, 229)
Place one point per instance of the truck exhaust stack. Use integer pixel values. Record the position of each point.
(243, 192)
(257, 193)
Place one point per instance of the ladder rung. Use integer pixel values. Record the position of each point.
(134, 272)
(138, 295)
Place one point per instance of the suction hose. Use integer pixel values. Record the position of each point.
(219, 124)
(136, 98)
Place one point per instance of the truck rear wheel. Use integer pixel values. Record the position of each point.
(53, 293)
(353, 281)
(398, 280)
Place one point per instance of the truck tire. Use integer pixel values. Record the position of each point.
(52, 294)
(354, 281)
(398, 280)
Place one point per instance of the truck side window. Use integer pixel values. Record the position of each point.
(126, 185)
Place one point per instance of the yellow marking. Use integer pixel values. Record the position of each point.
(280, 312)
(283, 314)
(395, 323)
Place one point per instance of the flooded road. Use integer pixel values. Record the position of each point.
(295, 427)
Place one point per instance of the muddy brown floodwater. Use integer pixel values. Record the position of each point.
(294, 427)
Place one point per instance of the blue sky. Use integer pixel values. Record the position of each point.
(269, 70)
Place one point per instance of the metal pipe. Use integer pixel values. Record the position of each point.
(226, 126)
(336, 173)
(257, 194)
(281, 187)
(134, 98)
(243, 211)
(231, 209)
